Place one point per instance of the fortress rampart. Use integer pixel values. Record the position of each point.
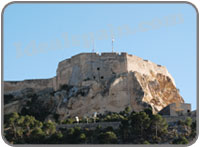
(37, 84)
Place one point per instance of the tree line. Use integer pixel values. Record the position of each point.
(135, 128)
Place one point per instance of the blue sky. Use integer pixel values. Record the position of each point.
(38, 36)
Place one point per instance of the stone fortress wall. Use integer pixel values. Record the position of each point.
(37, 84)
(89, 66)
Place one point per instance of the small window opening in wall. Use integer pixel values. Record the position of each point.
(98, 68)
(188, 111)
(102, 77)
(94, 77)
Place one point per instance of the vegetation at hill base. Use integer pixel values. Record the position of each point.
(135, 128)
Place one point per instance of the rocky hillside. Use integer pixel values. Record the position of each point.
(84, 94)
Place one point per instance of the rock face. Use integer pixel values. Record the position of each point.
(89, 82)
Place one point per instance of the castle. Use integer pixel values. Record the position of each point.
(105, 82)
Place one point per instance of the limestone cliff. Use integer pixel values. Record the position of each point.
(89, 82)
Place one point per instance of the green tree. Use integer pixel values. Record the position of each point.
(140, 121)
(22, 129)
(49, 128)
(158, 125)
(37, 136)
(127, 111)
(82, 138)
(193, 131)
(146, 142)
(188, 121)
(180, 140)
(149, 111)
(73, 135)
(12, 124)
(30, 123)
(124, 130)
(56, 138)
(68, 121)
(107, 138)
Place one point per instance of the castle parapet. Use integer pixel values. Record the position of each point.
(109, 54)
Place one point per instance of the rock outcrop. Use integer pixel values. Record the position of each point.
(88, 83)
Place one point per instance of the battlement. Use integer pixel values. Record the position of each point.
(103, 54)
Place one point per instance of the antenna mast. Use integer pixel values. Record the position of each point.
(93, 45)
(113, 43)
